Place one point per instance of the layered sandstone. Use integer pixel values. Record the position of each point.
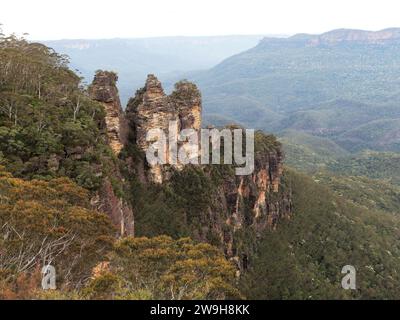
(248, 206)
(151, 108)
(361, 36)
(240, 208)
(104, 90)
(241, 205)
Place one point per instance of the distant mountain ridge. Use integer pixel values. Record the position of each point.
(344, 35)
(133, 59)
(342, 85)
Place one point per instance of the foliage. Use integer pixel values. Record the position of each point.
(163, 268)
(184, 91)
(304, 258)
(265, 143)
(375, 165)
(191, 190)
(308, 153)
(49, 223)
(49, 127)
(362, 191)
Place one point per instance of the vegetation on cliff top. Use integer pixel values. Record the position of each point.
(48, 125)
(163, 268)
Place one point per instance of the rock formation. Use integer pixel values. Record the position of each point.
(104, 90)
(241, 205)
(343, 37)
(239, 209)
(361, 36)
(151, 108)
(247, 206)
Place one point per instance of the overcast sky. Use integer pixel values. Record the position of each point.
(55, 19)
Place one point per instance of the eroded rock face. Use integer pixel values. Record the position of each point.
(263, 191)
(348, 35)
(241, 205)
(116, 208)
(248, 206)
(151, 108)
(186, 99)
(104, 90)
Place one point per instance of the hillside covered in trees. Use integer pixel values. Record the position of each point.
(55, 158)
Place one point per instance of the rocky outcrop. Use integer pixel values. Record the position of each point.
(339, 37)
(245, 207)
(239, 206)
(186, 99)
(151, 108)
(104, 90)
(361, 36)
(237, 211)
(117, 208)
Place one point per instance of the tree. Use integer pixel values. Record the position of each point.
(163, 268)
(49, 223)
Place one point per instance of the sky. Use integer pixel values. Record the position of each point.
(82, 19)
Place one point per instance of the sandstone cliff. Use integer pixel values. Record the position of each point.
(208, 203)
(361, 36)
(343, 36)
(104, 90)
(245, 207)
(151, 108)
(233, 211)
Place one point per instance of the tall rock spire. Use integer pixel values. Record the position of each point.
(151, 108)
(104, 90)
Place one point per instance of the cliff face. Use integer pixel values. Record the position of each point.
(244, 207)
(360, 36)
(104, 90)
(339, 37)
(343, 36)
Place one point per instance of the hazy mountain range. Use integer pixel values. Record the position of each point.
(326, 95)
(166, 57)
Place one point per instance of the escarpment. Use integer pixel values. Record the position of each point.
(243, 208)
(208, 203)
